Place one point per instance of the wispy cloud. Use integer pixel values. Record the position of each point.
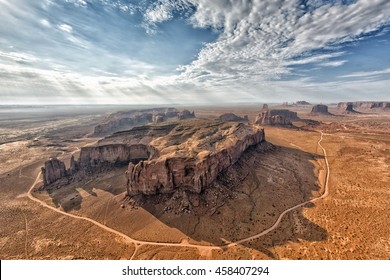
(333, 63)
(366, 74)
(65, 27)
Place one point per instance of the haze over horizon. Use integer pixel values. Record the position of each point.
(193, 51)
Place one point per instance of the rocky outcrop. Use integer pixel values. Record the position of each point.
(320, 110)
(185, 114)
(128, 119)
(370, 105)
(347, 108)
(194, 174)
(265, 107)
(230, 117)
(276, 117)
(53, 170)
(74, 166)
(364, 106)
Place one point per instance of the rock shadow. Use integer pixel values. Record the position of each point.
(69, 193)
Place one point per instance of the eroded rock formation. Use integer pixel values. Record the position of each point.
(53, 170)
(162, 158)
(191, 171)
(276, 117)
(364, 106)
(347, 108)
(320, 110)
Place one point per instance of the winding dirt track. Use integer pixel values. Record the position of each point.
(138, 243)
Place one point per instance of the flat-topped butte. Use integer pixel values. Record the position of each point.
(161, 158)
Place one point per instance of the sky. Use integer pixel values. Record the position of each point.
(193, 51)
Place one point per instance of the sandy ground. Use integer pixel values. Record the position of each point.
(349, 224)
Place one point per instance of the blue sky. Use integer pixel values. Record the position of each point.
(193, 51)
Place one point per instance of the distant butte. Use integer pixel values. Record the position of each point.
(230, 117)
(276, 117)
(320, 110)
(364, 106)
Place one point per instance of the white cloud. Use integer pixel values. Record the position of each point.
(314, 58)
(333, 63)
(158, 13)
(79, 3)
(65, 27)
(163, 10)
(45, 22)
(261, 39)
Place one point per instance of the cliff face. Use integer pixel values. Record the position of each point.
(276, 117)
(113, 154)
(166, 174)
(53, 170)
